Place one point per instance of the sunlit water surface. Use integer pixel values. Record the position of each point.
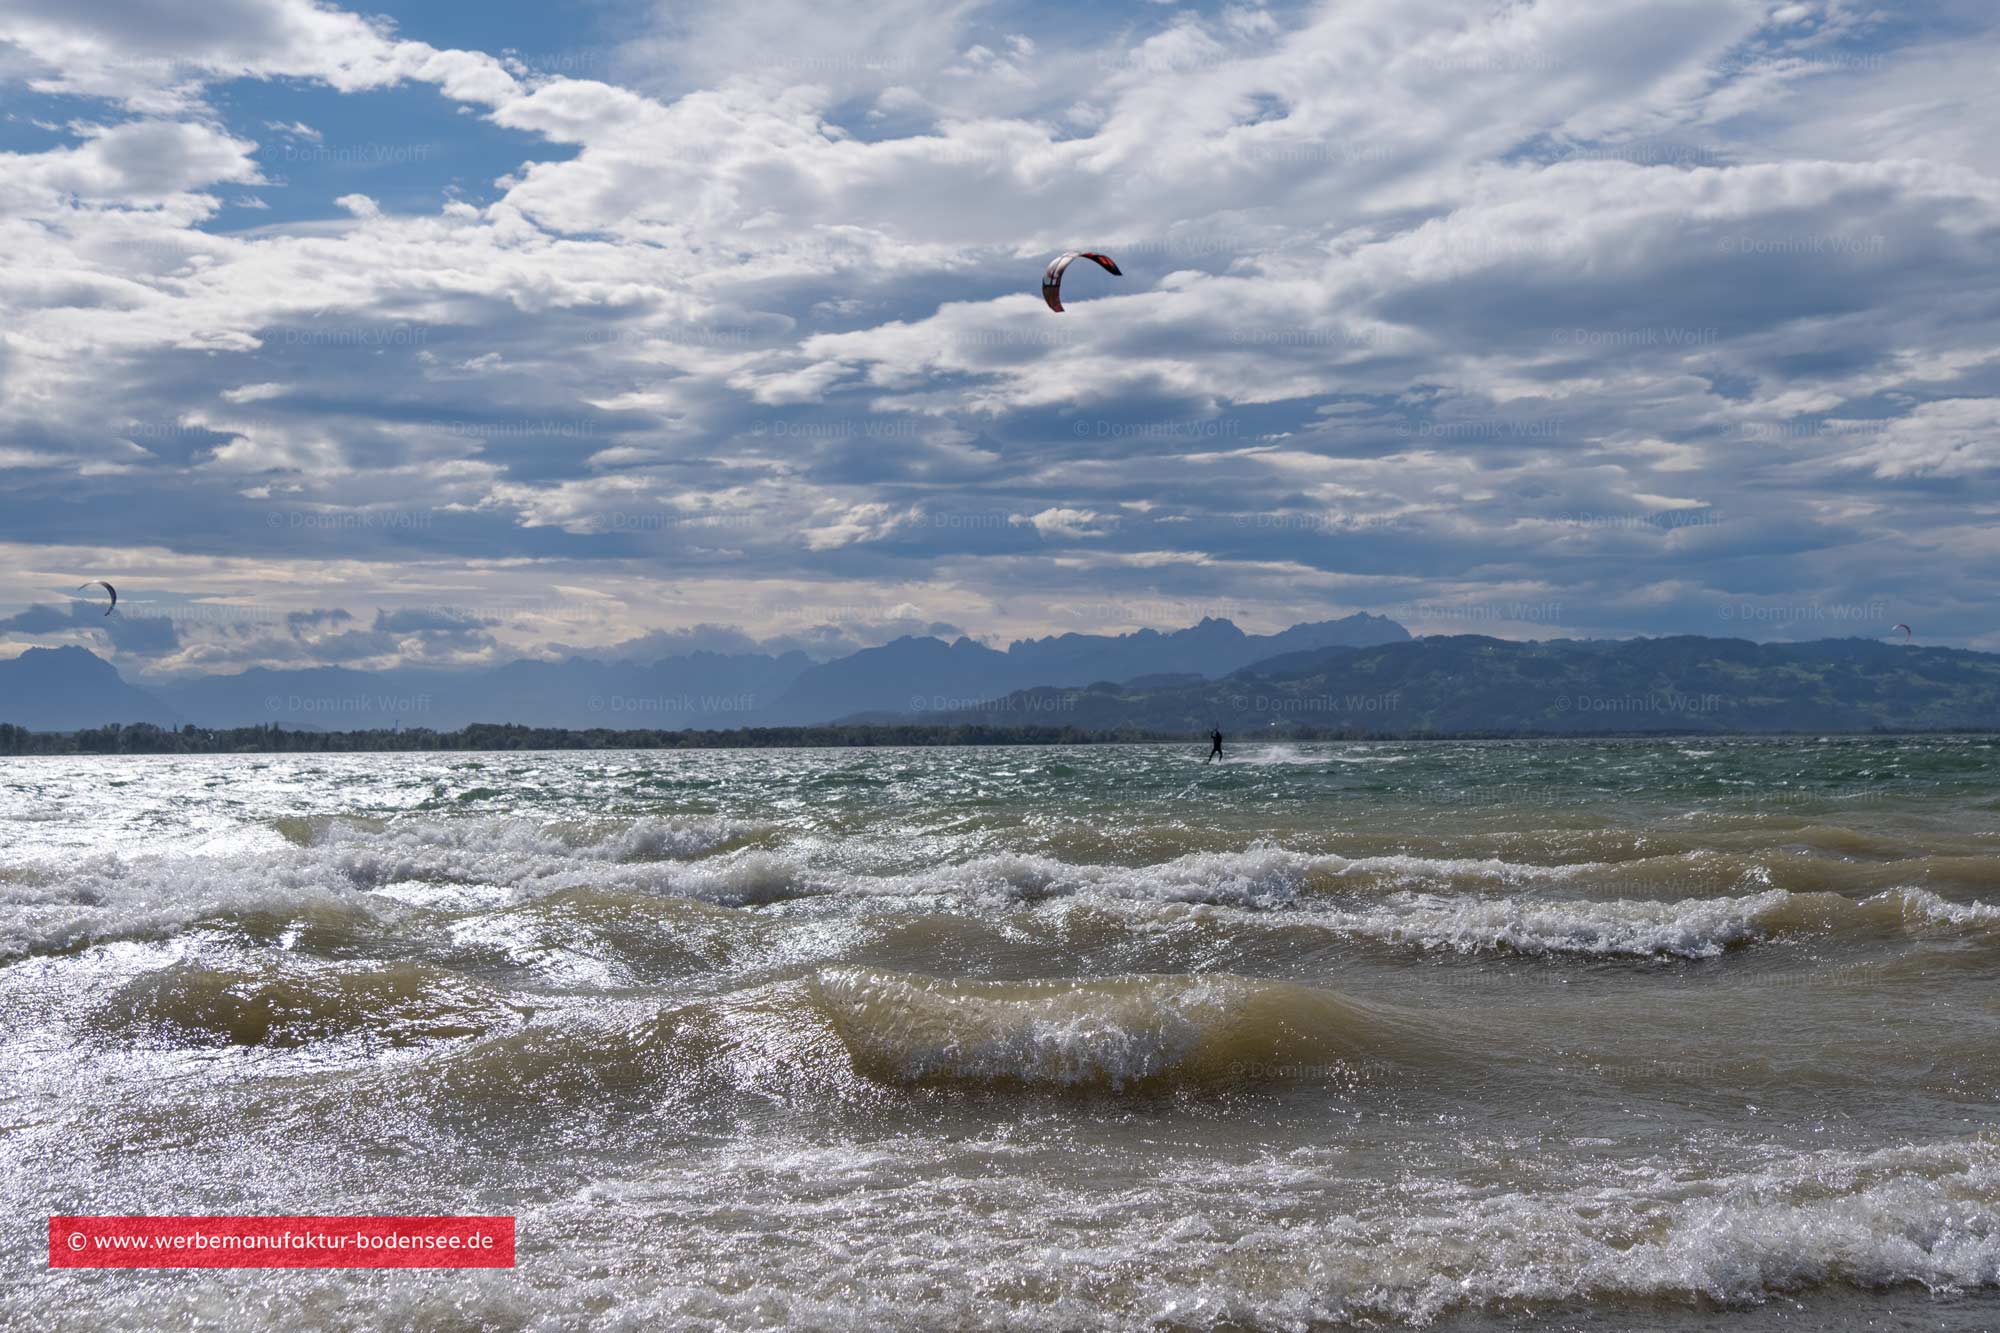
(1567, 1035)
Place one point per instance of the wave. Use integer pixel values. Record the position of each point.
(925, 1233)
(1094, 930)
(1691, 928)
(1114, 1032)
(921, 1232)
(1263, 876)
(564, 1076)
(377, 875)
(111, 896)
(1923, 907)
(420, 876)
(844, 1034)
(1922, 1215)
(1099, 934)
(503, 849)
(292, 1003)
(602, 939)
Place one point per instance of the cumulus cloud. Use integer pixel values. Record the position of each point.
(138, 162)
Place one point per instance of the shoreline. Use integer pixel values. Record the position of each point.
(145, 738)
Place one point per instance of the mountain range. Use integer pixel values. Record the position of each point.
(1360, 675)
(1471, 683)
(68, 689)
(64, 689)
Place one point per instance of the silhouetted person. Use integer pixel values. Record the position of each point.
(1214, 746)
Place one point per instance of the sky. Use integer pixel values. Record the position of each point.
(450, 334)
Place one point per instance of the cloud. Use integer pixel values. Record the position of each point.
(129, 630)
(1067, 522)
(39, 619)
(1425, 305)
(138, 162)
(1954, 437)
(678, 643)
(161, 56)
(422, 620)
(300, 621)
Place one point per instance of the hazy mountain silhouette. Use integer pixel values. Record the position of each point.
(62, 689)
(910, 675)
(1211, 648)
(1464, 683)
(918, 675)
(1471, 683)
(703, 689)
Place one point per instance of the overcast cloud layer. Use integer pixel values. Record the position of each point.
(333, 340)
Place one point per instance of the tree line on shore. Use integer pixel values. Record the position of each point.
(146, 738)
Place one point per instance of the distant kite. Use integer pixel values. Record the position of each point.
(1908, 633)
(100, 583)
(1053, 274)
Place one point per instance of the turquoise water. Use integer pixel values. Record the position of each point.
(1589, 1034)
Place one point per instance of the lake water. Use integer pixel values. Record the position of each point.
(1670, 1034)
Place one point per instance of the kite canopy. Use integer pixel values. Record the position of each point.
(1052, 275)
(1905, 628)
(100, 583)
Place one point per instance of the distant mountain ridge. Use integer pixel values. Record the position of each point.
(919, 675)
(67, 689)
(1444, 684)
(1212, 648)
(1471, 683)
(703, 689)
